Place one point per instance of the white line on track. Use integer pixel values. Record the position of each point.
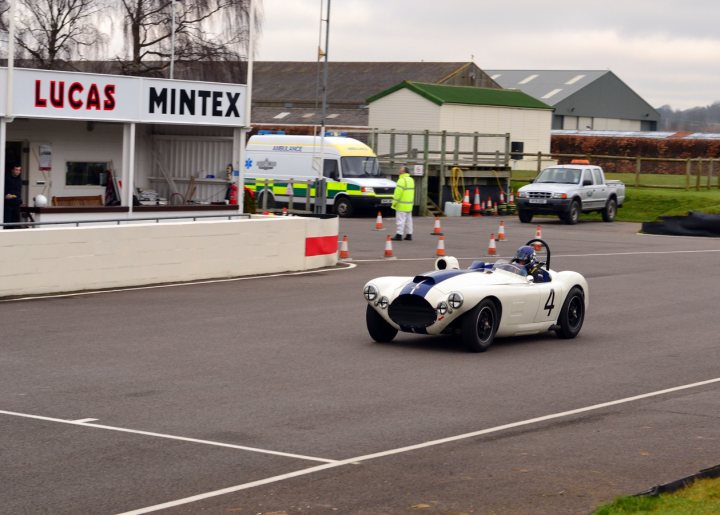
(367, 457)
(347, 266)
(85, 423)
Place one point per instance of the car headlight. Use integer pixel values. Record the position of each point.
(370, 292)
(559, 195)
(383, 303)
(522, 194)
(367, 189)
(455, 300)
(442, 308)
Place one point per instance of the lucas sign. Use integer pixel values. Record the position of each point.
(91, 97)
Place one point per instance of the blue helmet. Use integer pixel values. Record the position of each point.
(525, 255)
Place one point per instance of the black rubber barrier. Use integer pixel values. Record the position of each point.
(695, 224)
(679, 484)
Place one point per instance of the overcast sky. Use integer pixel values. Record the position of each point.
(667, 51)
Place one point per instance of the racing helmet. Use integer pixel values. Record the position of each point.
(525, 255)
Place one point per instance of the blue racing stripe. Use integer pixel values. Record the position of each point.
(422, 284)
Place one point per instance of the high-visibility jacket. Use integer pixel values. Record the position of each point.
(404, 194)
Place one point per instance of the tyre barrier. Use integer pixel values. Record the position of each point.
(695, 224)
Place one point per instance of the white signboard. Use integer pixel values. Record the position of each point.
(92, 97)
(417, 170)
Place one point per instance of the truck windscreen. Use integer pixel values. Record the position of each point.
(360, 166)
(558, 176)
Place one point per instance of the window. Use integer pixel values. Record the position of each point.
(587, 176)
(330, 168)
(81, 173)
(598, 176)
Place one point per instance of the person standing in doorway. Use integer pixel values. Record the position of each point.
(402, 203)
(13, 195)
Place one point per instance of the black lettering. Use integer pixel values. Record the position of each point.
(217, 103)
(204, 95)
(232, 109)
(158, 99)
(187, 102)
(172, 101)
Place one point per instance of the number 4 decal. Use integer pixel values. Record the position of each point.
(549, 304)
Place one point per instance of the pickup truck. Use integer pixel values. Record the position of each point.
(567, 191)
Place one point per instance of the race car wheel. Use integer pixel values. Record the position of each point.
(379, 329)
(343, 207)
(479, 326)
(573, 214)
(525, 216)
(572, 314)
(608, 214)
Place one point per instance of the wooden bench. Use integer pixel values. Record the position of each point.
(89, 200)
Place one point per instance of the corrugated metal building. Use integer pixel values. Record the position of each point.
(583, 99)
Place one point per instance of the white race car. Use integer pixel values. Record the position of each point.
(479, 303)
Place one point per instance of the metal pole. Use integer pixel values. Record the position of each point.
(320, 197)
(3, 138)
(248, 108)
(172, 41)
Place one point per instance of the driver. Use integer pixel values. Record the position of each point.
(527, 259)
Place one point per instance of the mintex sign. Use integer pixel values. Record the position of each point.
(84, 96)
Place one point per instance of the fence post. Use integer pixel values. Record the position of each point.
(456, 153)
(475, 150)
(426, 172)
(638, 166)
(441, 173)
(699, 174)
(291, 194)
(688, 166)
(392, 149)
(709, 170)
(539, 162)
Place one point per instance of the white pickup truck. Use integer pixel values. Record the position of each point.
(567, 191)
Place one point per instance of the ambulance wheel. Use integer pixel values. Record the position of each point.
(377, 326)
(343, 207)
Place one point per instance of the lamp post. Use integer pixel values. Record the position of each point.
(172, 40)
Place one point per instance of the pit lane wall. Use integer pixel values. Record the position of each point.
(70, 259)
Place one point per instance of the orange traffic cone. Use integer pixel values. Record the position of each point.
(465, 211)
(492, 249)
(388, 248)
(482, 206)
(284, 211)
(476, 209)
(502, 197)
(440, 247)
(512, 197)
(501, 231)
(538, 234)
(344, 253)
(495, 211)
(379, 222)
(437, 231)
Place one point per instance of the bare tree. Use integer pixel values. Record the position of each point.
(50, 32)
(205, 30)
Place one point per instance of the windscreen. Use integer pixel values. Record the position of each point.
(360, 166)
(558, 176)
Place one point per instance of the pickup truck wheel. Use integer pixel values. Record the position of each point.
(479, 326)
(608, 214)
(343, 207)
(572, 314)
(377, 326)
(573, 215)
(525, 216)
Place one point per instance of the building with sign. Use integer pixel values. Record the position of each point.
(73, 133)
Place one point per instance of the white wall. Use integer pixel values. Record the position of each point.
(38, 261)
(600, 124)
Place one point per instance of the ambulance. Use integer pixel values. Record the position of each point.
(351, 168)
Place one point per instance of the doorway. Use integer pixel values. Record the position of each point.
(14, 156)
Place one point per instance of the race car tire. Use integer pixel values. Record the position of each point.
(573, 214)
(343, 207)
(479, 326)
(608, 214)
(572, 314)
(525, 216)
(377, 326)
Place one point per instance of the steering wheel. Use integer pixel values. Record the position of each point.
(547, 249)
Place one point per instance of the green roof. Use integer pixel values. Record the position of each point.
(441, 94)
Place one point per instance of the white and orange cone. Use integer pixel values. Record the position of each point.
(465, 210)
(440, 247)
(512, 197)
(538, 234)
(284, 211)
(502, 198)
(344, 252)
(476, 208)
(437, 231)
(495, 210)
(388, 248)
(492, 249)
(379, 222)
(501, 231)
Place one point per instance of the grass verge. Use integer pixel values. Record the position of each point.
(700, 498)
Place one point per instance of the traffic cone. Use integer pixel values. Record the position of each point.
(466, 204)
(388, 248)
(482, 206)
(502, 197)
(492, 249)
(344, 253)
(379, 222)
(538, 234)
(476, 209)
(437, 231)
(495, 210)
(512, 197)
(284, 211)
(440, 247)
(501, 231)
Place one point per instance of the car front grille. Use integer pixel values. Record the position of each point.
(539, 194)
(383, 191)
(411, 312)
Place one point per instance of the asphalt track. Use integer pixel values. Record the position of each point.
(266, 395)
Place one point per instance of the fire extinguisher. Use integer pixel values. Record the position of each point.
(233, 194)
